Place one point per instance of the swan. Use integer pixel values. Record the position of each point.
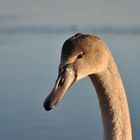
(87, 55)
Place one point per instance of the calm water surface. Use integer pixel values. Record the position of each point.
(28, 69)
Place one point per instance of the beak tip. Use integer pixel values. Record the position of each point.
(47, 106)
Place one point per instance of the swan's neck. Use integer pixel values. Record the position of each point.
(113, 103)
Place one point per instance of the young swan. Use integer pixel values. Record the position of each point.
(86, 55)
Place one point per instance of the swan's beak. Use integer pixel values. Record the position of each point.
(64, 81)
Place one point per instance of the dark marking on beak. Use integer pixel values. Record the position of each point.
(65, 79)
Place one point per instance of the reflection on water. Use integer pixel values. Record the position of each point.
(50, 29)
(28, 67)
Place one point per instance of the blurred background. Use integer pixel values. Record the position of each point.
(32, 33)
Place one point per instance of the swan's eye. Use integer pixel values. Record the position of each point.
(80, 55)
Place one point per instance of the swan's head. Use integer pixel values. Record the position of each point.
(81, 56)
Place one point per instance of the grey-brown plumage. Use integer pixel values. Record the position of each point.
(86, 55)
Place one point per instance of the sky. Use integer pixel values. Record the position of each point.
(117, 12)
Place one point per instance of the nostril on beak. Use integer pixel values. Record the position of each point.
(61, 82)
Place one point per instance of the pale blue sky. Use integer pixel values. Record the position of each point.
(73, 11)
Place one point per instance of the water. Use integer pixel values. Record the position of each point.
(29, 59)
